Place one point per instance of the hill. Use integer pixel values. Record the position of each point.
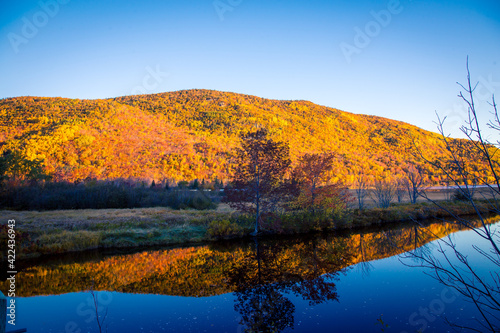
(189, 134)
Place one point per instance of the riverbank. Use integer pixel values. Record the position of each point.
(52, 232)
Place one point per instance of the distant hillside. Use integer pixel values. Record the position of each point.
(189, 134)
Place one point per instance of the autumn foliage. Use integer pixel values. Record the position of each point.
(260, 177)
(265, 184)
(187, 135)
(315, 193)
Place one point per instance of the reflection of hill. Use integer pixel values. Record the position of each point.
(209, 270)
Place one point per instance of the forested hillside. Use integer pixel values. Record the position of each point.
(187, 135)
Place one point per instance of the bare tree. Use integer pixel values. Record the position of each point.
(414, 182)
(383, 192)
(361, 187)
(450, 266)
(400, 189)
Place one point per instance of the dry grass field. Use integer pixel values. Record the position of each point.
(61, 231)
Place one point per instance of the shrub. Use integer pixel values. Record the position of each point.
(201, 202)
(68, 241)
(182, 184)
(224, 229)
(459, 195)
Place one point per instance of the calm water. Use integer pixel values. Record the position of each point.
(327, 283)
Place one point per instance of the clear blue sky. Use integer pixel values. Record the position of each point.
(403, 67)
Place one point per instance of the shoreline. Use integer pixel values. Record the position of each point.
(56, 232)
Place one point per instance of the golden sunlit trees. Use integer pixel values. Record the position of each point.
(189, 134)
(16, 167)
(315, 193)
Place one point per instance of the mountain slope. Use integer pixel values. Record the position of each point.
(189, 134)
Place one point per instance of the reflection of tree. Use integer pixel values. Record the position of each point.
(263, 279)
(264, 308)
(417, 238)
(365, 266)
(414, 238)
(317, 291)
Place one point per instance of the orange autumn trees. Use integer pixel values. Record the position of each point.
(258, 184)
(315, 193)
(187, 135)
(264, 182)
(19, 169)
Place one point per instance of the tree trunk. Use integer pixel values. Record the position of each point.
(257, 202)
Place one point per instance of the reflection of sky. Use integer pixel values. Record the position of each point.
(465, 241)
(272, 49)
(391, 290)
(127, 313)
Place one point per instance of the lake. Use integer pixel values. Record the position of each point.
(360, 281)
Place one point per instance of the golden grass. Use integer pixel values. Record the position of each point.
(75, 230)
(68, 241)
(33, 219)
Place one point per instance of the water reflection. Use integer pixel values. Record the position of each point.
(365, 266)
(264, 279)
(223, 268)
(269, 279)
